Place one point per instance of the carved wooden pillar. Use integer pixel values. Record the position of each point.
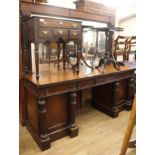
(111, 36)
(37, 60)
(42, 125)
(48, 51)
(107, 41)
(78, 61)
(73, 129)
(115, 95)
(130, 93)
(42, 118)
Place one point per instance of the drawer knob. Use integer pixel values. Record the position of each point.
(45, 32)
(74, 33)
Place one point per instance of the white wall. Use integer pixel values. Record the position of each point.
(129, 25)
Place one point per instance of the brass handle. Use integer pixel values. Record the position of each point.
(45, 32)
(60, 31)
(74, 33)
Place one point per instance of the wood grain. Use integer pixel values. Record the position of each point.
(50, 74)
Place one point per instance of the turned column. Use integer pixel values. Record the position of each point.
(130, 93)
(45, 143)
(58, 55)
(59, 42)
(42, 118)
(25, 58)
(73, 129)
(48, 51)
(37, 60)
(64, 56)
(115, 95)
(78, 61)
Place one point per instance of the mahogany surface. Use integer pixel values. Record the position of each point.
(51, 75)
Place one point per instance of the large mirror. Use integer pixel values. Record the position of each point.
(92, 45)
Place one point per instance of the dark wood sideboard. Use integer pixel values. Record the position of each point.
(51, 101)
(42, 30)
(48, 104)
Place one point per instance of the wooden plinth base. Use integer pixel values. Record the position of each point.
(45, 144)
(128, 105)
(73, 132)
(109, 111)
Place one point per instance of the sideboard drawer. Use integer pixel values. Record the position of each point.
(45, 32)
(110, 78)
(60, 32)
(107, 79)
(86, 83)
(125, 75)
(61, 88)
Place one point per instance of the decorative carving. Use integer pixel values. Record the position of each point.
(42, 118)
(116, 90)
(130, 93)
(131, 89)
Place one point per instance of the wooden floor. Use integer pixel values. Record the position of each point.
(99, 134)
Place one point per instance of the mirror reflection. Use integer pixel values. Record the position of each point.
(94, 45)
(89, 41)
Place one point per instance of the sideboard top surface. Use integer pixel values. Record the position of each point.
(51, 75)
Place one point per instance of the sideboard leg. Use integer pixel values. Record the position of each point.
(130, 94)
(73, 129)
(25, 58)
(116, 90)
(37, 61)
(44, 138)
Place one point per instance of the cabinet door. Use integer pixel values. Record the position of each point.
(122, 93)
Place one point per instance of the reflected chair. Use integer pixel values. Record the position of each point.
(120, 46)
(132, 120)
(130, 48)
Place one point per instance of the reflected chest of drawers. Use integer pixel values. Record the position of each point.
(38, 30)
